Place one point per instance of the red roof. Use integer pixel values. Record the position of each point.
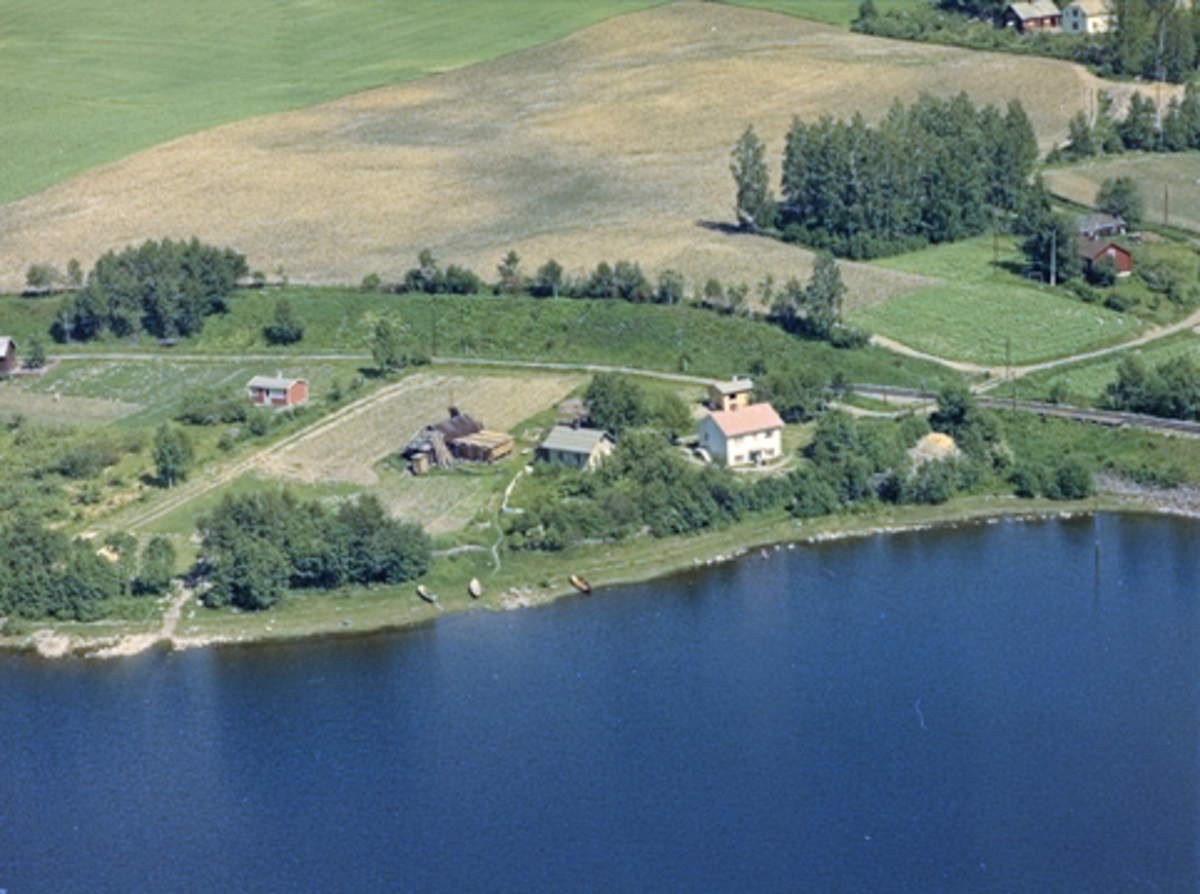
(1094, 249)
(747, 420)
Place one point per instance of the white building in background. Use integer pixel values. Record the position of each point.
(743, 436)
(1088, 17)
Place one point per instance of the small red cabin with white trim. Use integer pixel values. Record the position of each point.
(276, 391)
(1096, 250)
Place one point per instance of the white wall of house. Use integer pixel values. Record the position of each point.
(1076, 20)
(740, 450)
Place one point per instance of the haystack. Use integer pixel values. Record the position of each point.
(933, 447)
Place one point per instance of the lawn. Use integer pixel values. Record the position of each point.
(147, 392)
(86, 82)
(985, 308)
(1159, 176)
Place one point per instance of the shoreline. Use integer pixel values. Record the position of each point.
(342, 618)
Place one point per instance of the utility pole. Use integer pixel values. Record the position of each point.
(1054, 256)
(995, 245)
(1008, 371)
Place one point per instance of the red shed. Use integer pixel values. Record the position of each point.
(276, 391)
(1096, 250)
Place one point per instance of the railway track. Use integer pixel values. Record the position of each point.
(1108, 418)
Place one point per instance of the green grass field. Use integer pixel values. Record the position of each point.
(1159, 177)
(154, 387)
(86, 82)
(1084, 383)
(484, 327)
(985, 305)
(833, 12)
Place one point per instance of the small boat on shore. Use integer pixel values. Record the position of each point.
(580, 584)
(475, 588)
(423, 592)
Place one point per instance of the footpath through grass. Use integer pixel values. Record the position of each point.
(986, 305)
(1084, 383)
(86, 82)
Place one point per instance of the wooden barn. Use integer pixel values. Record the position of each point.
(1096, 250)
(459, 437)
(1041, 15)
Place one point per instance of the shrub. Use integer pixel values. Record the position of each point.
(203, 405)
(286, 328)
(1070, 479)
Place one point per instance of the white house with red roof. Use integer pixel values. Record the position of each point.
(743, 436)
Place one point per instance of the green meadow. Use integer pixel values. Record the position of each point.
(985, 308)
(87, 82)
(483, 327)
(1168, 184)
(1084, 383)
(832, 12)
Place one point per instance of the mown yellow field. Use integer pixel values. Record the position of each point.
(347, 451)
(612, 143)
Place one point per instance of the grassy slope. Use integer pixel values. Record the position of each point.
(833, 12)
(1153, 173)
(85, 82)
(983, 304)
(1085, 382)
(484, 327)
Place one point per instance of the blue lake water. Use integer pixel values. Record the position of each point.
(952, 711)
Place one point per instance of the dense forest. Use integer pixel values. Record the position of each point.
(258, 545)
(163, 288)
(937, 171)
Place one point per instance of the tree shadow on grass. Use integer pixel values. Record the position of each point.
(721, 226)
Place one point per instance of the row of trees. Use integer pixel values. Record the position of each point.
(255, 546)
(623, 281)
(1170, 389)
(164, 288)
(1177, 129)
(937, 171)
